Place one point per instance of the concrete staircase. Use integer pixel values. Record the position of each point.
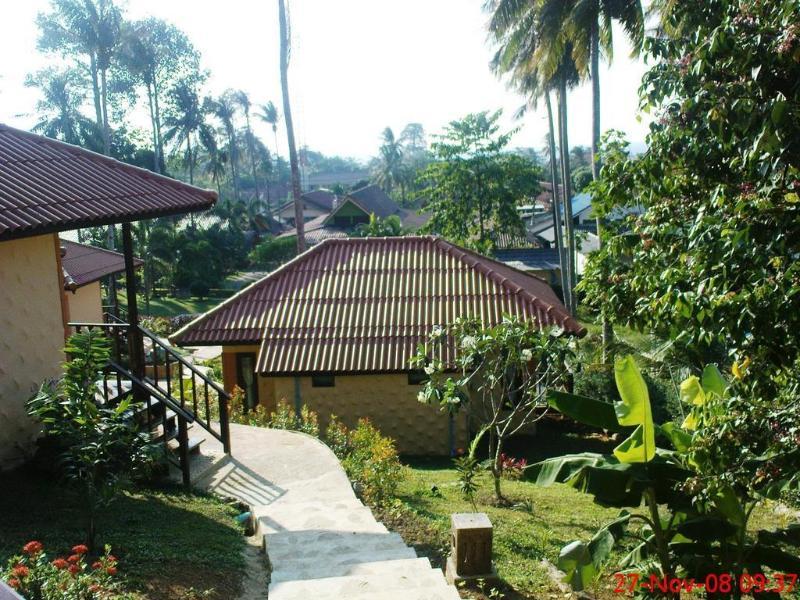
(320, 541)
(330, 551)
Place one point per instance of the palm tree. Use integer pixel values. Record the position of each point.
(59, 109)
(390, 170)
(241, 98)
(538, 59)
(224, 108)
(215, 159)
(269, 114)
(283, 19)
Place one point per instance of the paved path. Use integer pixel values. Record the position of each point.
(322, 543)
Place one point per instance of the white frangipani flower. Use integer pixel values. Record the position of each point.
(429, 369)
(422, 397)
(527, 355)
(468, 342)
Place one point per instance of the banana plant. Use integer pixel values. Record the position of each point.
(683, 531)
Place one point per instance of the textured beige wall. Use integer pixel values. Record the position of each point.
(86, 304)
(388, 401)
(31, 336)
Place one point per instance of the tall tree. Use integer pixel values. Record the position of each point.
(224, 108)
(243, 100)
(87, 32)
(157, 54)
(537, 56)
(283, 18)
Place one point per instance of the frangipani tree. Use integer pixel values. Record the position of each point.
(696, 518)
(499, 375)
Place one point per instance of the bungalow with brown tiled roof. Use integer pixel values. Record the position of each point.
(84, 267)
(335, 328)
(46, 187)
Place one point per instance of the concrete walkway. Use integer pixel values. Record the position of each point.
(321, 542)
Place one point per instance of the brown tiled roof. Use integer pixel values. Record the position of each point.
(84, 264)
(373, 200)
(47, 186)
(363, 304)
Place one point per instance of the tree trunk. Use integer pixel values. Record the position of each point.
(556, 206)
(252, 147)
(104, 97)
(565, 176)
(190, 158)
(98, 108)
(607, 331)
(234, 160)
(158, 124)
(151, 107)
(287, 117)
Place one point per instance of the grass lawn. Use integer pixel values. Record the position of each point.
(171, 545)
(168, 306)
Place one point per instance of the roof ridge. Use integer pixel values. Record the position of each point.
(502, 280)
(79, 152)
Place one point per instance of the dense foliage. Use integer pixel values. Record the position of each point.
(711, 261)
(708, 487)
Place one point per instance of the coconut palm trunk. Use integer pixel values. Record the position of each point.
(556, 205)
(287, 117)
(569, 229)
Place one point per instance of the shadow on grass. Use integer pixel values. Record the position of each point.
(168, 541)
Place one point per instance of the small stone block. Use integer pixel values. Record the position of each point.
(471, 542)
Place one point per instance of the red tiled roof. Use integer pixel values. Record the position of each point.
(84, 264)
(363, 304)
(47, 186)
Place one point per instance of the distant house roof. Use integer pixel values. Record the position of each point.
(373, 200)
(530, 259)
(363, 305)
(321, 199)
(48, 186)
(84, 264)
(580, 203)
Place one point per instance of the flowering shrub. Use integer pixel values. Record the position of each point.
(285, 417)
(369, 458)
(256, 416)
(512, 468)
(33, 575)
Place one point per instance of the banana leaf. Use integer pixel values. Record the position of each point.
(634, 410)
(588, 411)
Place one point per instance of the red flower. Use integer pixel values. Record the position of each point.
(111, 570)
(14, 583)
(97, 565)
(21, 571)
(74, 569)
(60, 563)
(32, 548)
(112, 558)
(80, 549)
(95, 587)
(74, 559)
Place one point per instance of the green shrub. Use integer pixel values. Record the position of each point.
(369, 458)
(255, 417)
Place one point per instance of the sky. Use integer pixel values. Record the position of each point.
(357, 66)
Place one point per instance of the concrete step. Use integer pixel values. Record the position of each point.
(354, 519)
(440, 591)
(291, 545)
(334, 565)
(401, 576)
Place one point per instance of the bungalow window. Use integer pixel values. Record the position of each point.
(246, 378)
(323, 380)
(417, 378)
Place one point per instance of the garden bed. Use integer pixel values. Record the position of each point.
(170, 544)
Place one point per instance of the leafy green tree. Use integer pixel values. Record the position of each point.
(99, 449)
(474, 184)
(711, 262)
(243, 100)
(390, 171)
(224, 108)
(157, 55)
